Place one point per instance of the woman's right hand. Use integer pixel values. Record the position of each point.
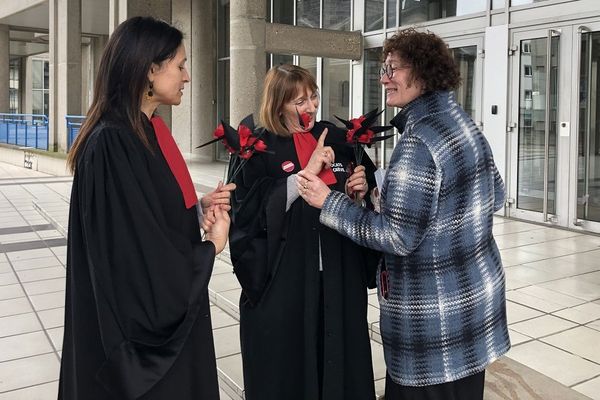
(218, 231)
(322, 157)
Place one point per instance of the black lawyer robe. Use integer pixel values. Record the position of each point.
(137, 316)
(300, 329)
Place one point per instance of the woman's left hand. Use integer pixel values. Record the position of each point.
(312, 189)
(218, 197)
(357, 183)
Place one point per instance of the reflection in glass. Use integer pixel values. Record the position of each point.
(532, 118)
(37, 74)
(465, 58)
(310, 64)
(374, 15)
(336, 14)
(307, 13)
(415, 11)
(283, 11)
(372, 93)
(588, 152)
(335, 91)
(279, 59)
(391, 13)
(37, 102)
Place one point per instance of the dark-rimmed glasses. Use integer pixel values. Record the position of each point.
(388, 70)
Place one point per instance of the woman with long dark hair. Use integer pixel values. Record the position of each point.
(137, 317)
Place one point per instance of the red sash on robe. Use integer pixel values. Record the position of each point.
(305, 145)
(175, 160)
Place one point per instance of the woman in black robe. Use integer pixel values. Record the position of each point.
(303, 308)
(137, 316)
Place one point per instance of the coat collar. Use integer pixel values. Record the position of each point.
(426, 104)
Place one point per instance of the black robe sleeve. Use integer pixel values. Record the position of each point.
(257, 203)
(148, 279)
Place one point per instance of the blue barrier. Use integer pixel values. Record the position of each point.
(73, 125)
(30, 130)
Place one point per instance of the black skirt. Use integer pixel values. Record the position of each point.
(469, 388)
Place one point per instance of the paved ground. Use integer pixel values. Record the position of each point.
(553, 279)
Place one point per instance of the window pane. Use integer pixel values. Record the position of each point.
(391, 13)
(46, 102)
(46, 74)
(283, 11)
(279, 59)
(336, 14)
(37, 70)
(310, 64)
(496, 4)
(415, 11)
(465, 58)
(37, 102)
(335, 90)
(372, 93)
(374, 14)
(307, 13)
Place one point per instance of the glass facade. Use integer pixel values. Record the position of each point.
(588, 149)
(335, 90)
(536, 105)
(465, 58)
(282, 12)
(336, 14)
(308, 13)
(374, 14)
(417, 11)
(40, 87)
(13, 85)
(373, 93)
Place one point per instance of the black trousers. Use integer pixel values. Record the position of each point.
(469, 388)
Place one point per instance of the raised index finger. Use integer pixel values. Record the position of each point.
(321, 141)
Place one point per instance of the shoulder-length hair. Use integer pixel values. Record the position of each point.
(428, 55)
(282, 84)
(122, 76)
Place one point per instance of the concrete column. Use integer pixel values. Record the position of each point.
(65, 68)
(4, 68)
(204, 85)
(248, 60)
(182, 114)
(120, 10)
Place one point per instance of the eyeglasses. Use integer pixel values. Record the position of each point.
(388, 70)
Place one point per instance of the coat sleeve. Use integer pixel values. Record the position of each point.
(411, 197)
(149, 280)
(256, 235)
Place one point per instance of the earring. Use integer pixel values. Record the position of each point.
(150, 87)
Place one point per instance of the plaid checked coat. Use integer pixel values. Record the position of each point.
(445, 315)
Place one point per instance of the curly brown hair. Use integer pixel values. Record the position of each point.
(429, 57)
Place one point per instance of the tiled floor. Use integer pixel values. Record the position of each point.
(553, 294)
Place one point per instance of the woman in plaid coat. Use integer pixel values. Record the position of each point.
(442, 292)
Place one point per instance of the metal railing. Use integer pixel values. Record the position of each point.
(29, 130)
(73, 125)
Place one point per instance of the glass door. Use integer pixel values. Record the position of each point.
(585, 169)
(534, 144)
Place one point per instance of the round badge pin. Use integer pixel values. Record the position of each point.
(287, 166)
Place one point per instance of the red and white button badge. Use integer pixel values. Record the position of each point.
(287, 166)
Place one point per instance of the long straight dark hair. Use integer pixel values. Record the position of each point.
(122, 76)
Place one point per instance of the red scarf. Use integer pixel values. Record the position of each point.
(305, 145)
(171, 152)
